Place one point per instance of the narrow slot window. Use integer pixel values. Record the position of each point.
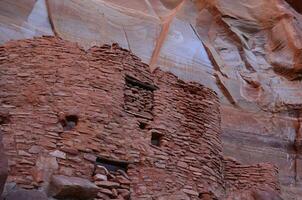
(112, 165)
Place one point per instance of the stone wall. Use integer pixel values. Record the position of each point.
(102, 115)
(188, 160)
(244, 177)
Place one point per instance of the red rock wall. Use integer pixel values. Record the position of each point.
(119, 105)
(244, 177)
(254, 47)
(51, 79)
(189, 158)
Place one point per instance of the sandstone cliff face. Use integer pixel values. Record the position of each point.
(249, 52)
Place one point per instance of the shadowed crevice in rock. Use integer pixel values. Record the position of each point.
(295, 4)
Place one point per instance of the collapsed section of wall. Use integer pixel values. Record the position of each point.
(102, 115)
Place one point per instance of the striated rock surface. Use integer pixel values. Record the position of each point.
(248, 52)
(23, 19)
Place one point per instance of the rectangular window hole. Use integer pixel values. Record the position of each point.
(138, 98)
(130, 81)
(156, 139)
(112, 165)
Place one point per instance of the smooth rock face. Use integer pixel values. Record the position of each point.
(64, 187)
(22, 194)
(3, 166)
(23, 19)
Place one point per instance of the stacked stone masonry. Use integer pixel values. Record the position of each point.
(243, 177)
(118, 106)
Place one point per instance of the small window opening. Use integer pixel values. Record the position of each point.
(156, 138)
(4, 119)
(142, 125)
(112, 165)
(130, 81)
(69, 122)
(138, 98)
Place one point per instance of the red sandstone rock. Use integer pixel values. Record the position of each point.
(255, 194)
(100, 177)
(266, 195)
(44, 168)
(63, 187)
(155, 135)
(254, 46)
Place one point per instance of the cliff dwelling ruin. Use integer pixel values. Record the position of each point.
(103, 117)
(150, 99)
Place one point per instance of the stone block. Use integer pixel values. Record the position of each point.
(64, 187)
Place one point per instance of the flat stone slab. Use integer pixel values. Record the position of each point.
(64, 187)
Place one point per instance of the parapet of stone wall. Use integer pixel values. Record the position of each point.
(244, 177)
(102, 115)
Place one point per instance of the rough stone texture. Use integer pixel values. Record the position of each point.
(3, 166)
(256, 194)
(113, 184)
(22, 194)
(249, 52)
(243, 177)
(117, 106)
(186, 115)
(64, 187)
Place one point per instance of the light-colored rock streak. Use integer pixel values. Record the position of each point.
(163, 35)
(37, 21)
